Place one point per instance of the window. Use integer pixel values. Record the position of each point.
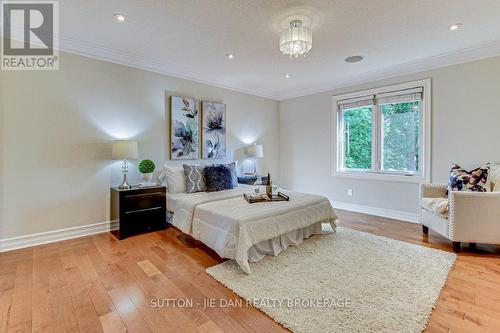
(384, 133)
(357, 137)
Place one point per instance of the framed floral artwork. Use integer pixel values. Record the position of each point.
(213, 130)
(184, 128)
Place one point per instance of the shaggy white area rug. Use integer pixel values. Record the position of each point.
(350, 281)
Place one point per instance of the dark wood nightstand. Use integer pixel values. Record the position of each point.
(138, 210)
(253, 180)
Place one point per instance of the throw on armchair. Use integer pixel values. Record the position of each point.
(472, 217)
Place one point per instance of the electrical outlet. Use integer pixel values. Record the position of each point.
(349, 192)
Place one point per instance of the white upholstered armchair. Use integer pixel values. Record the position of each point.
(472, 217)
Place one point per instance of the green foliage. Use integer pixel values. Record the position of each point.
(401, 132)
(358, 138)
(400, 123)
(147, 166)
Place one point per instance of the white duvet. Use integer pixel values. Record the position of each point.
(227, 223)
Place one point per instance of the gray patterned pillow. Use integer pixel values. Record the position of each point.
(195, 180)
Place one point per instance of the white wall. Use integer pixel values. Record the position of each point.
(465, 130)
(57, 129)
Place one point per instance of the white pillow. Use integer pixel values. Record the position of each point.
(494, 177)
(175, 178)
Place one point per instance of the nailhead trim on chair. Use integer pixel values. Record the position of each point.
(451, 218)
(420, 208)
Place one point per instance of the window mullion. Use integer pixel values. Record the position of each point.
(375, 137)
(380, 141)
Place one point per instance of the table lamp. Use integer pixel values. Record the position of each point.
(254, 152)
(125, 150)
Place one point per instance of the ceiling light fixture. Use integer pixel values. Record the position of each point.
(120, 17)
(287, 76)
(353, 59)
(455, 26)
(296, 40)
(230, 56)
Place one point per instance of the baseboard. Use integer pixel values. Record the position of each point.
(383, 212)
(9, 244)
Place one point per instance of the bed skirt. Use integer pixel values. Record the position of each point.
(279, 244)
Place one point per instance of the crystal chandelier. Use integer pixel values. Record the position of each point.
(296, 40)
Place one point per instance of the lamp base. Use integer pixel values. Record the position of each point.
(125, 185)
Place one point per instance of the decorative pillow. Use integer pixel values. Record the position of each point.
(233, 166)
(234, 176)
(195, 180)
(439, 206)
(494, 177)
(174, 175)
(218, 178)
(474, 181)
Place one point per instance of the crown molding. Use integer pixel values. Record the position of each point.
(100, 52)
(470, 54)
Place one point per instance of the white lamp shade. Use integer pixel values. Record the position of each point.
(125, 150)
(255, 151)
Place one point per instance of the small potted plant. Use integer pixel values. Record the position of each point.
(147, 167)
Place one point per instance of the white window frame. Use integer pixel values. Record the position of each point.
(375, 172)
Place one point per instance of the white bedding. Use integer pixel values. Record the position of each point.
(235, 229)
(172, 198)
(184, 204)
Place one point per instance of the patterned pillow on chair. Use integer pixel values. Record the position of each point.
(474, 180)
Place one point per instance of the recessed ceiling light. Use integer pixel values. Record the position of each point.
(455, 26)
(287, 76)
(120, 17)
(353, 59)
(230, 56)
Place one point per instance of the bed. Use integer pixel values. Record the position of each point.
(235, 229)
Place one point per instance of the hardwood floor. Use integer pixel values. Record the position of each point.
(99, 284)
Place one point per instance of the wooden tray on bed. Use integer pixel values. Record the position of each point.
(254, 198)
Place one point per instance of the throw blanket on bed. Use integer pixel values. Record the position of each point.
(185, 207)
(253, 223)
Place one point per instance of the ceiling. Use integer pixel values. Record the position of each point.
(190, 38)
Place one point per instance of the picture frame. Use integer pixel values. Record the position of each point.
(213, 129)
(185, 118)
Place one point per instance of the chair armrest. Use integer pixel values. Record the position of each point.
(475, 217)
(433, 190)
